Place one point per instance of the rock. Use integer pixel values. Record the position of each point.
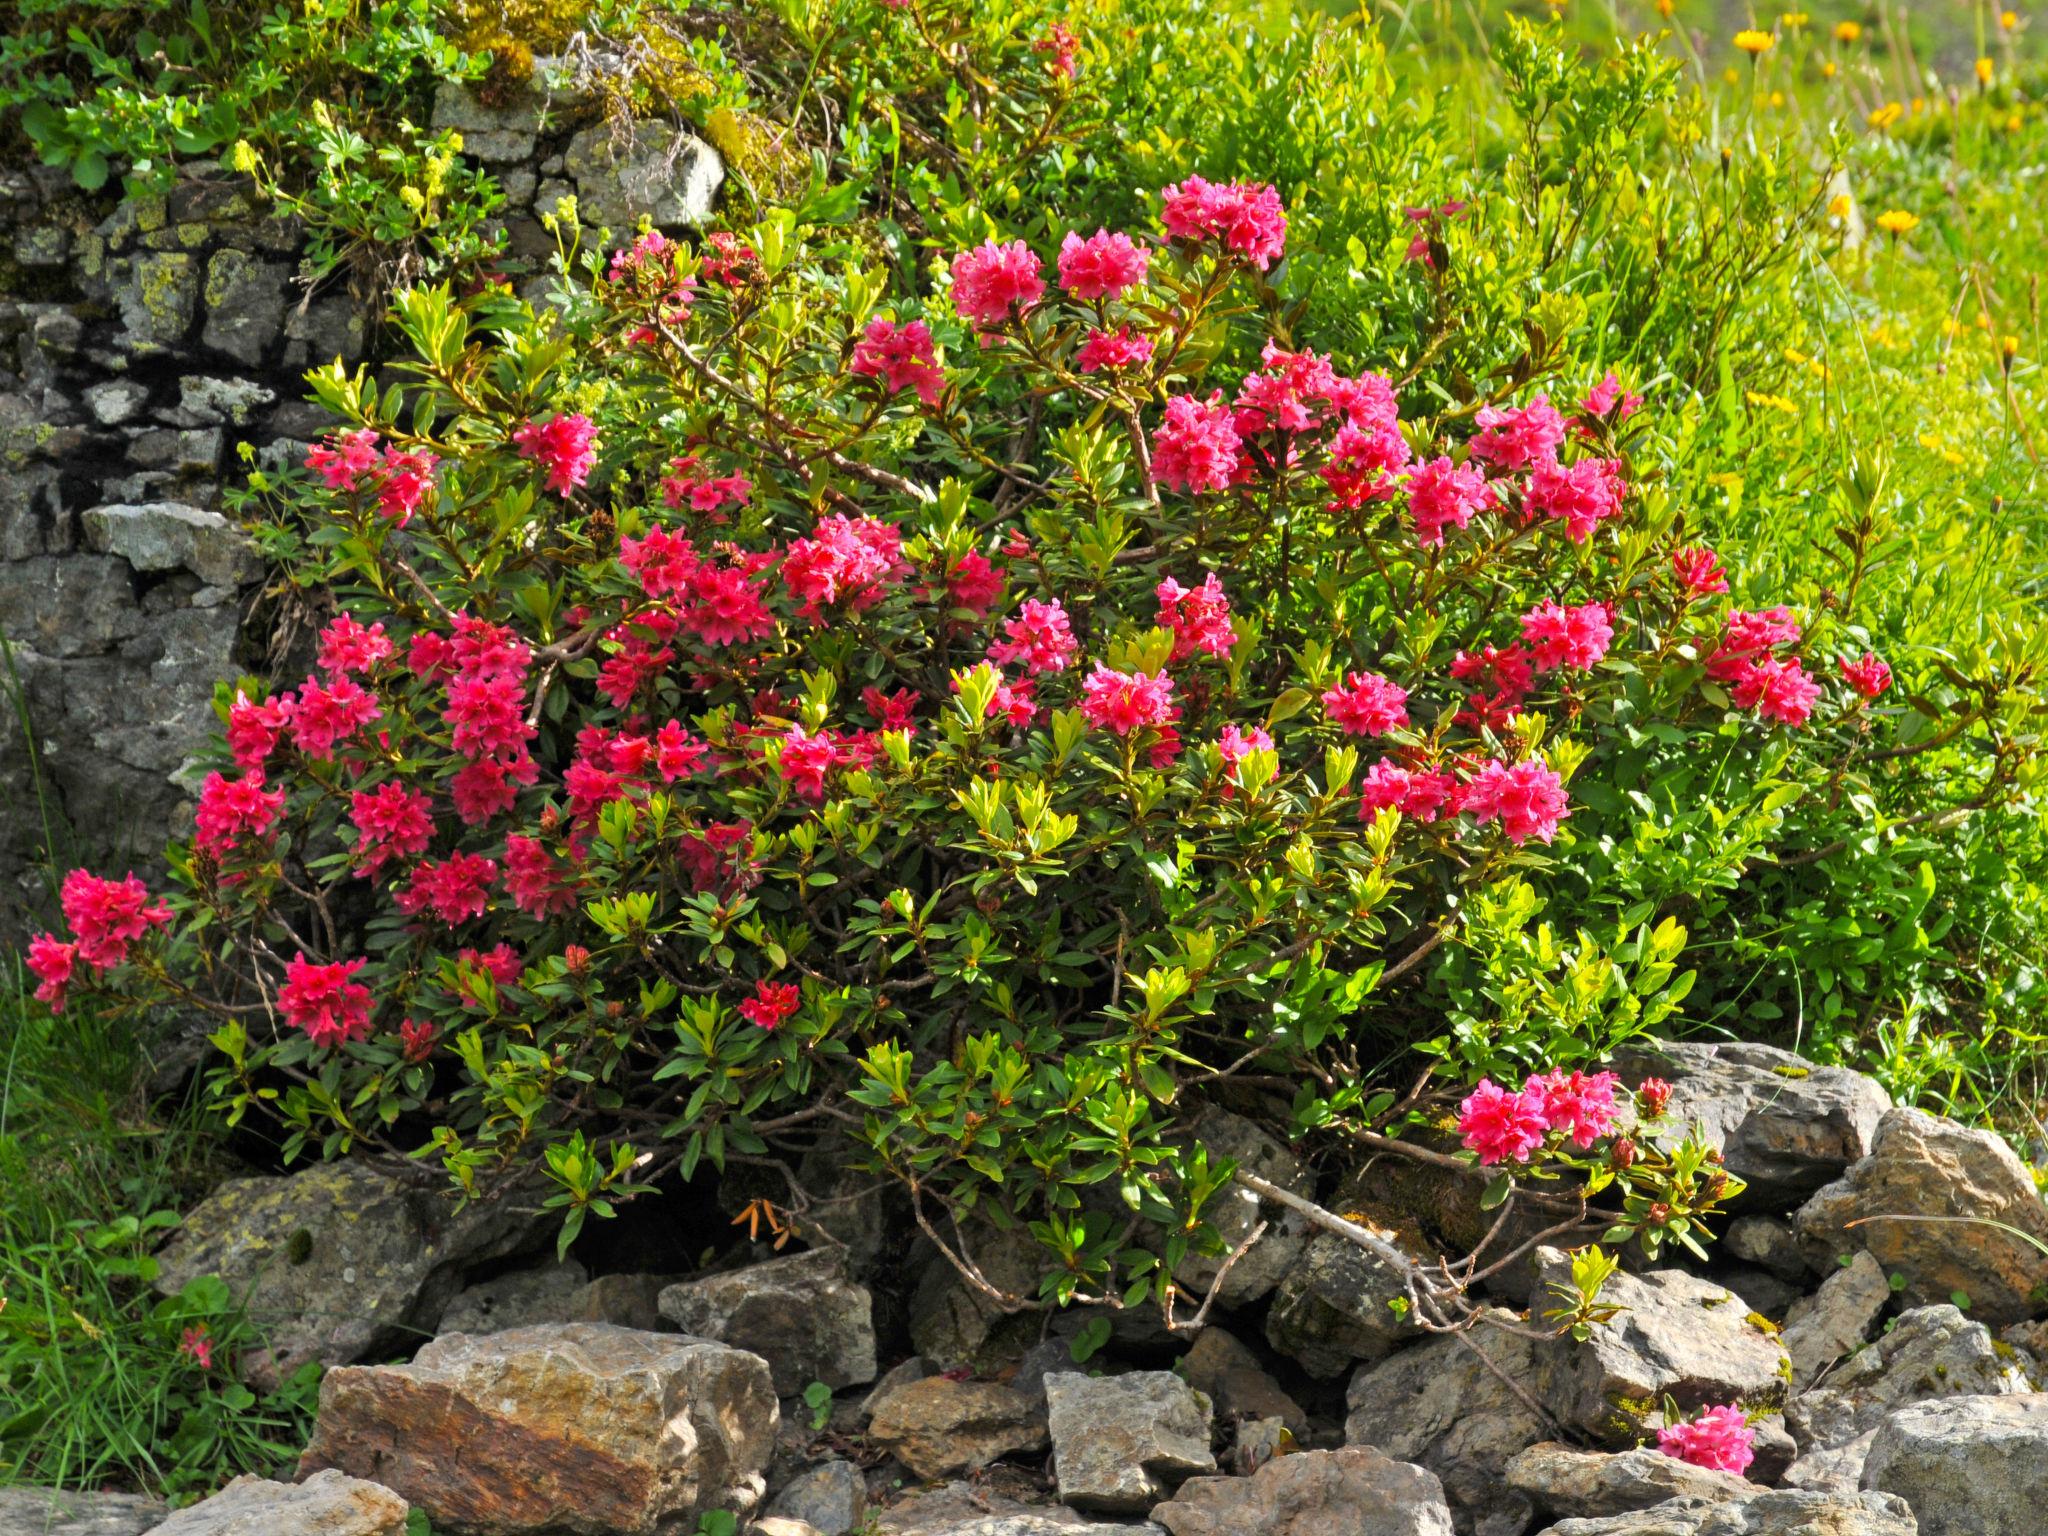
(326, 1504)
(222, 400)
(1335, 1306)
(1258, 1442)
(1351, 1492)
(1235, 1211)
(1770, 1242)
(1969, 1466)
(1770, 1513)
(1230, 1376)
(1923, 1165)
(574, 1427)
(517, 1300)
(939, 1427)
(1930, 1352)
(1038, 1525)
(1836, 1319)
(1774, 1449)
(901, 1374)
(60, 1512)
(245, 305)
(1784, 1126)
(955, 1326)
(647, 168)
(800, 1314)
(1438, 1405)
(1561, 1481)
(170, 536)
(157, 302)
(115, 401)
(778, 1525)
(340, 1260)
(631, 1301)
(832, 1497)
(1761, 1291)
(1123, 1443)
(1678, 1336)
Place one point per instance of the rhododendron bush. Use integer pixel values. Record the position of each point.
(753, 708)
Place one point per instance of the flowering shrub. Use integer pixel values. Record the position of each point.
(1720, 1439)
(992, 729)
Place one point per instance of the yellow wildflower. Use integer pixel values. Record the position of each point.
(1665, 8)
(1792, 21)
(1827, 69)
(1752, 42)
(1839, 205)
(1985, 70)
(1896, 221)
(1774, 402)
(2008, 19)
(1848, 31)
(1886, 115)
(1777, 98)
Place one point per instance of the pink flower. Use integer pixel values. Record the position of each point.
(391, 822)
(52, 962)
(992, 280)
(1777, 690)
(725, 606)
(1420, 794)
(1363, 464)
(772, 1002)
(1513, 439)
(1720, 1438)
(197, 1347)
(1581, 1105)
(565, 446)
(1041, 638)
(1501, 1127)
(1196, 446)
(1606, 396)
(486, 715)
(892, 711)
(806, 759)
(324, 717)
(343, 465)
(687, 485)
(1698, 570)
(454, 889)
(487, 787)
(231, 809)
(1015, 701)
(845, 560)
(1245, 217)
(1567, 637)
(537, 885)
(1653, 1093)
(902, 358)
(323, 1001)
(1869, 674)
(1527, 797)
(677, 753)
(1198, 616)
(662, 559)
(407, 478)
(253, 729)
(416, 1040)
(1444, 495)
(1102, 266)
(106, 916)
(1367, 705)
(1112, 349)
(1747, 637)
(1124, 701)
(347, 647)
(974, 583)
(1063, 45)
(1236, 745)
(1581, 497)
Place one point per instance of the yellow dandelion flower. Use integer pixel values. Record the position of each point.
(1886, 115)
(1919, 105)
(1896, 222)
(1665, 8)
(1792, 21)
(1753, 42)
(2008, 19)
(1827, 69)
(2009, 347)
(1731, 74)
(2013, 123)
(1839, 205)
(1985, 70)
(1848, 31)
(1951, 327)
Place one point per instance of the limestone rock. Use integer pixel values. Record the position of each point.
(1678, 1336)
(832, 1497)
(646, 168)
(1790, 1512)
(1784, 1125)
(1969, 1466)
(516, 1300)
(61, 1512)
(901, 1374)
(1122, 1443)
(326, 1504)
(939, 1427)
(1923, 1165)
(1769, 1242)
(801, 1314)
(1355, 1491)
(1836, 1319)
(1561, 1481)
(1235, 1211)
(569, 1428)
(170, 536)
(1230, 1376)
(340, 1260)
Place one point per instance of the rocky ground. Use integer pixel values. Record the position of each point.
(1893, 1368)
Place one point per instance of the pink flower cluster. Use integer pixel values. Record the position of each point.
(994, 282)
(106, 918)
(902, 357)
(846, 560)
(1366, 704)
(564, 446)
(1103, 266)
(1527, 798)
(350, 462)
(1198, 616)
(325, 1001)
(1720, 1438)
(1127, 701)
(1243, 216)
(1504, 1127)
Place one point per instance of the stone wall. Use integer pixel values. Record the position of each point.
(145, 345)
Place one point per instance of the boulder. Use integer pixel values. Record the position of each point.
(566, 1428)
(61, 1512)
(340, 1260)
(1836, 1319)
(1921, 1165)
(1770, 1243)
(1123, 1443)
(782, 1525)
(1783, 1125)
(1230, 1376)
(901, 1374)
(1350, 1492)
(1234, 1211)
(1677, 1336)
(954, 1325)
(939, 1427)
(171, 536)
(1790, 1512)
(981, 1505)
(325, 1504)
(1336, 1306)
(624, 171)
(801, 1314)
(1440, 1405)
(1561, 1481)
(516, 1300)
(1969, 1466)
(631, 1301)
(832, 1497)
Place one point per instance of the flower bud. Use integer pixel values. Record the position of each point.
(1623, 1153)
(1653, 1095)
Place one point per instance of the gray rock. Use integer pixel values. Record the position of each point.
(244, 305)
(1836, 1319)
(326, 1504)
(954, 1325)
(1770, 1242)
(939, 1427)
(1762, 1292)
(1921, 1165)
(649, 168)
(572, 1429)
(832, 1496)
(1235, 1211)
(61, 1512)
(1336, 1305)
(1351, 1492)
(170, 536)
(801, 1314)
(1122, 1443)
(1969, 1466)
(157, 302)
(222, 400)
(494, 134)
(340, 1260)
(901, 1374)
(631, 1301)
(115, 401)
(1039, 1525)
(1784, 1125)
(1678, 1336)
(516, 1300)
(1258, 1442)
(1790, 1512)
(782, 1525)
(1230, 1376)
(1561, 1481)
